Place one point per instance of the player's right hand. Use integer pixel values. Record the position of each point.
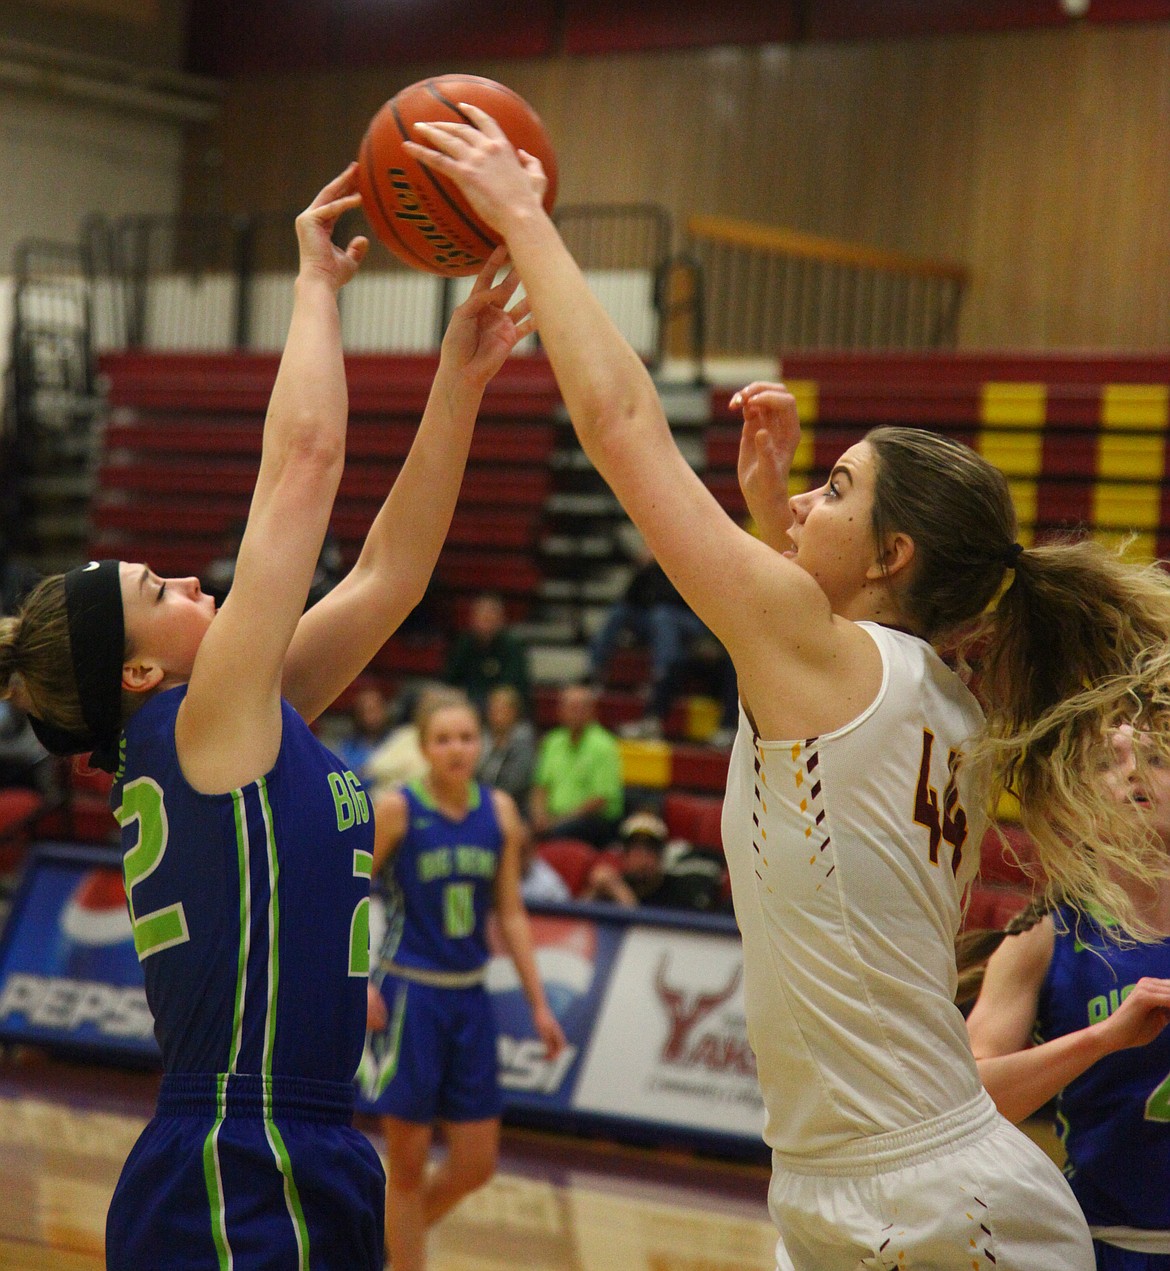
(320, 256)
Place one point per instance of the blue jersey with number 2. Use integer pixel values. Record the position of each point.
(1114, 1118)
(250, 912)
(251, 908)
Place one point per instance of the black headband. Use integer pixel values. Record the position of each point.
(97, 647)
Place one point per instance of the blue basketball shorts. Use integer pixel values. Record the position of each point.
(226, 1175)
(436, 1058)
(1111, 1258)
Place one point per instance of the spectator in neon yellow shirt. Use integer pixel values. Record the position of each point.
(577, 790)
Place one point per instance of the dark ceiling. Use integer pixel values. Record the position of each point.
(253, 36)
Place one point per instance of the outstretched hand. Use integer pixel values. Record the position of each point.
(483, 330)
(767, 446)
(320, 256)
(1141, 1017)
(498, 180)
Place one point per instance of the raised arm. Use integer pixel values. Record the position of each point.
(339, 635)
(228, 730)
(758, 604)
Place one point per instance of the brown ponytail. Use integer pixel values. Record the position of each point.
(35, 661)
(1078, 643)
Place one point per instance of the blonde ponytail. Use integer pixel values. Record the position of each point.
(1079, 643)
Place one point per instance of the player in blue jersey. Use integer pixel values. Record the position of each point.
(447, 850)
(1066, 1012)
(247, 846)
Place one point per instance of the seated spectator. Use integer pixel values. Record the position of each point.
(24, 762)
(399, 759)
(652, 611)
(487, 654)
(539, 881)
(651, 873)
(577, 789)
(369, 724)
(509, 745)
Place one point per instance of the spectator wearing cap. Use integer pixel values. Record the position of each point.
(652, 871)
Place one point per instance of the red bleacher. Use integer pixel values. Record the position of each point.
(1084, 437)
(181, 451)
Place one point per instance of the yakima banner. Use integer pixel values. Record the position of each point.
(670, 1044)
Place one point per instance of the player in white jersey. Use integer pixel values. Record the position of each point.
(851, 821)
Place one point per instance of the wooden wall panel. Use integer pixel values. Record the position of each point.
(1039, 159)
(862, 19)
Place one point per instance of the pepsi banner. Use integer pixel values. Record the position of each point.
(574, 956)
(69, 975)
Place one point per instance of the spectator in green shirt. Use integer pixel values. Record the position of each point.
(577, 790)
(487, 654)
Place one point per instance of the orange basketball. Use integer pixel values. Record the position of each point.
(418, 214)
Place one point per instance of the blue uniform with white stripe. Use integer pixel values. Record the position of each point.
(1115, 1117)
(251, 919)
(436, 1059)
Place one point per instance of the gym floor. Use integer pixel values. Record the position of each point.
(556, 1204)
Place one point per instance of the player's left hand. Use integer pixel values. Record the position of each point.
(1141, 1017)
(498, 180)
(767, 446)
(483, 330)
(549, 1030)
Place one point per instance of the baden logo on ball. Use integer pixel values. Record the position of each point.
(418, 214)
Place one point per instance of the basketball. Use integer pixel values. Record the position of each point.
(419, 215)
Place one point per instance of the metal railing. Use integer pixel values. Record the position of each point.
(220, 283)
(51, 371)
(766, 290)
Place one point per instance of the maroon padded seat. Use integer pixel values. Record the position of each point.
(991, 908)
(571, 858)
(1011, 864)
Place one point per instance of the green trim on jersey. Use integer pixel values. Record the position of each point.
(212, 1175)
(214, 1180)
(239, 811)
(424, 797)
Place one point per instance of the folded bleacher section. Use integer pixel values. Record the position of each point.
(1081, 437)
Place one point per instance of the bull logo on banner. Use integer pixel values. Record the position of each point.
(686, 1009)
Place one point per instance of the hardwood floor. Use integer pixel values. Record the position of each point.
(557, 1204)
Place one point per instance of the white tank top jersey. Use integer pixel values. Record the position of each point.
(849, 855)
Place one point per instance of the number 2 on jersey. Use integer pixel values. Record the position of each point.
(142, 801)
(946, 821)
